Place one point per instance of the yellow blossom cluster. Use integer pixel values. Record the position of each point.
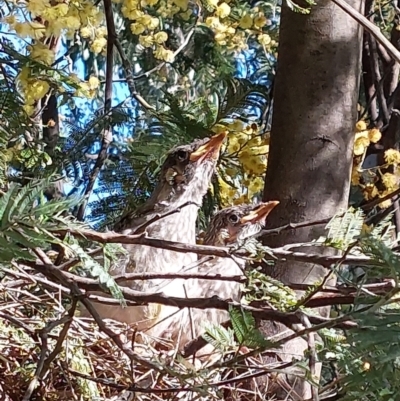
(144, 25)
(232, 27)
(49, 19)
(379, 181)
(168, 9)
(364, 137)
(33, 89)
(55, 18)
(88, 89)
(244, 162)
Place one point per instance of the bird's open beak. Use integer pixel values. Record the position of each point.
(210, 149)
(259, 213)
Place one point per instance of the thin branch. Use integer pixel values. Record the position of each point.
(129, 78)
(69, 280)
(184, 276)
(291, 226)
(129, 218)
(16, 322)
(313, 358)
(377, 201)
(384, 55)
(309, 296)
(370, 27)
(224, 252)
(375, 288)
(369, 87)
(63, 334)
(65, 278)
(378, 79)
(135, 389)
(107, 136)
(43, 365)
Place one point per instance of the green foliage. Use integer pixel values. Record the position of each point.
(220, 338)
(241, 98)
(189, 95)
(299, 9)
(260, 287)
(345, 228)
(26, 219)
(244, 330)
(368, 356)
(90, 266)
(244, 326)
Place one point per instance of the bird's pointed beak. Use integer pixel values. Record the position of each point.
(210, 149)
(259, 213)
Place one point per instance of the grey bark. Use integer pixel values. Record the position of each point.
(309, 166)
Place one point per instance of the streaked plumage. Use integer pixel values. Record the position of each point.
(228, 227)
(185, 177)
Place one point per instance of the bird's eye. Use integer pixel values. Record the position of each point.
(181, 155)
(233, 218)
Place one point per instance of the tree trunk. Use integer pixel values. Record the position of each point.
(309, 166)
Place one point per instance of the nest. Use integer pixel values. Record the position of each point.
(47, 353)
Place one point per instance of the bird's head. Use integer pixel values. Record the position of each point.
(237, 223)
(186, 173)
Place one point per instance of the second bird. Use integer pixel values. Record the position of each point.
(230, 226)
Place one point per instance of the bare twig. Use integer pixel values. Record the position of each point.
(64, 278)
(128, 219)
(136, 389)
(313, 357)
(69, 280)
(305, 300)
(184, 276)
(370, 27)
(16, 322)
(63, 334)
(107, 130)
(377, 201)
(224, 252)
(292, 226)
(310, 223)
(378, 79)
(284, 339)
(129, 78)
(42, 367)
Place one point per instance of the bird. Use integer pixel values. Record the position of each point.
(170, 214)
(230, 226)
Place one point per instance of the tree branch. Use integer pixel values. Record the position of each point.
(370, 27)
(107, 136)
(224, 252)
(66, 279)
(129, 78)
(69, 279)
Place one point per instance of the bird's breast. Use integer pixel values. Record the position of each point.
(179, 227)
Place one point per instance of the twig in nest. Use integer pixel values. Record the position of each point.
(60, 276)
(312, 358)
(43, 365)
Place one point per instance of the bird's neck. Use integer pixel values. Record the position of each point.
(179, 223)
